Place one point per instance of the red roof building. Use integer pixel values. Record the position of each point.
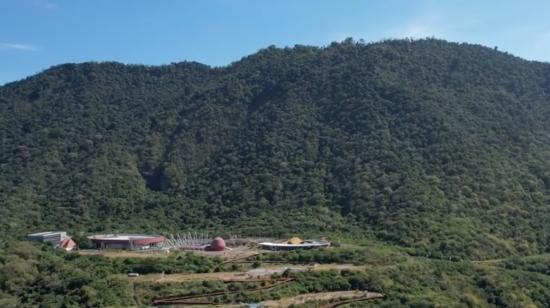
(126, 241)
(67, 243)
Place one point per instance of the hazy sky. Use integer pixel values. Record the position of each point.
(36, 34)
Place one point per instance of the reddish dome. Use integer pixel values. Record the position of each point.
(218, 244)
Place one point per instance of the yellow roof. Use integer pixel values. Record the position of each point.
(295, 240)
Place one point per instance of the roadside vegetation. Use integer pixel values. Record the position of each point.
(33, 275)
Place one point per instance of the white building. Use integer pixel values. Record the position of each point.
(58, 239)
(52, 237)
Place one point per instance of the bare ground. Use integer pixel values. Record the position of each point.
(241, 276)
(239, 252)
(303, 298)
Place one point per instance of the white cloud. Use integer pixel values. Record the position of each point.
(433, 22)
(22, 47)
(417, 31)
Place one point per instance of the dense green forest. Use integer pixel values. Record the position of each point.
(438, 147)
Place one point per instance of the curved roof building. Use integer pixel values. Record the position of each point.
(294, 243)
(126, 241)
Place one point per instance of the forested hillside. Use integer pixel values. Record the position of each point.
(440, 147)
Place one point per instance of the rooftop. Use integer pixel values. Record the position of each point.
(309, 243)
(46, 233)
(122, 237)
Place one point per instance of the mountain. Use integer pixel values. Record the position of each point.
(439, 147)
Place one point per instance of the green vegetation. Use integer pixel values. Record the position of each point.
(358, 256)
(32, 275)
(438, 148)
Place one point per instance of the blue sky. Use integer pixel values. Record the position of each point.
(36, 34)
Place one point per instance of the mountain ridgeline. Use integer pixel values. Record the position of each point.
(437, 146)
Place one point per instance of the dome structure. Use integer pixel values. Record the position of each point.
(295, 240)
(218, 244)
